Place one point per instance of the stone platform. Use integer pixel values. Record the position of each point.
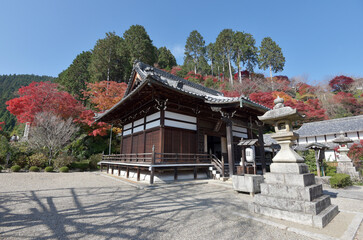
(347, 167)
(290, 193)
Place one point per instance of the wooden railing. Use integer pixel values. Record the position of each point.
(218, 164)
(160, 158)
(129, 158)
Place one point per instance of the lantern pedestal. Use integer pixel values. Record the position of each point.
(345, 164)
(289, 191)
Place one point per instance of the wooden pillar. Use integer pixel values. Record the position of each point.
(230, 149)
(317, 162)
(175, 173)
(122, 139)
(195, 172)
(152, 169)
(262, 148)
(127, 172)
(138, 173)
(119, 170)
(162, 130)
(243, 159)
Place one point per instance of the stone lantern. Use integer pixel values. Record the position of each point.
(345, 164)
(289, 191)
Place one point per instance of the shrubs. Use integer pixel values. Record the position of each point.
(62, 160)
(1, 168)
(64, 169)
(38, 160)
(49, 169)
(34, 169)
(93, 160)
(15, 168)
(340, 180)
(82, 165)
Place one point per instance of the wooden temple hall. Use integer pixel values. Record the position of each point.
(176, 129)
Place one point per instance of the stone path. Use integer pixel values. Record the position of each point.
(97, 206)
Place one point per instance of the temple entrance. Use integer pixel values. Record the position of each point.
(214, 146)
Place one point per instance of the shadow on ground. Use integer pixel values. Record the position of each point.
(119, 212)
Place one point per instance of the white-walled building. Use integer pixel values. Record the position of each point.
(325, 131)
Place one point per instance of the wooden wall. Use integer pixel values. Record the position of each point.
(138, 143)
(180, 140)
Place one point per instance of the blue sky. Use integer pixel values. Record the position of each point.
(319, 39)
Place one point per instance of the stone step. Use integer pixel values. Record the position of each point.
(290, 179)
(306, 207)
(325, 216)
(318, 221)
(299, 193)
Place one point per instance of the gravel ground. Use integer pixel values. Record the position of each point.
(91, 206)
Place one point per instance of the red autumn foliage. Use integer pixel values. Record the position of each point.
(175, 70)
(194, 77)
(86, 119)
(311, 109)
(105, 94)
(244, 74)
(356, 153)
(43, 97)
(341, 83)
(348, 101)
(230, 93)
(303, 88)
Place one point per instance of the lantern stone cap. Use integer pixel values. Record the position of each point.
(280, 112)
(342, 139)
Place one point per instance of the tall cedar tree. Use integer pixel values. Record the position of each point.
(224, 44)
(75, 77)
(245, 51)
(107, 61)
(270, 56)
(139, 45)
(211, 56)
(194, 50)
(166, 59)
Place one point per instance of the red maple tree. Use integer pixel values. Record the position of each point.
(43, 97)
(105, 94)
(340, 83)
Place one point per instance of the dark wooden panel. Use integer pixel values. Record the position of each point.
(152, 138)
(180, 141)
(126, 145)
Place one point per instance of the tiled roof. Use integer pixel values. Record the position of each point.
(333, 126)
(210, 96)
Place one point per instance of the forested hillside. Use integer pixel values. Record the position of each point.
(9, 85)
